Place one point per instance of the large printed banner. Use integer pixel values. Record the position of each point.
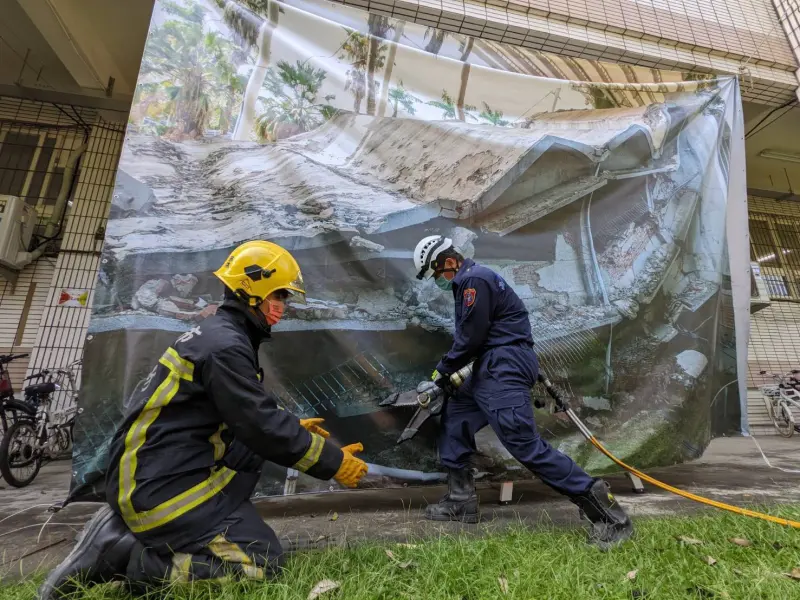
(606, 195)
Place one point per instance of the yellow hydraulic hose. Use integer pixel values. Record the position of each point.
(457, 378)
(551, 390)
(689, 495)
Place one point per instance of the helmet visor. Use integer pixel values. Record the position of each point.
(297, 290)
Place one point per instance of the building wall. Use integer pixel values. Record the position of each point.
(722, 36)
(789, 14)
(21, 309)
(62, 329)
(775, 330)
(32, 316)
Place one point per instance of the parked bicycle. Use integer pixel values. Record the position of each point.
(782, 399)
(9, 405)
(37, 434)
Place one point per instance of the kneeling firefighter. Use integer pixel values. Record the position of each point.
(188, 455)
(492, 327)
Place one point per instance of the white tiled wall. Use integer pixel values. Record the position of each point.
(725, 36)
(18, 327)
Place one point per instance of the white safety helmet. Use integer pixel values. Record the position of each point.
(426, 252)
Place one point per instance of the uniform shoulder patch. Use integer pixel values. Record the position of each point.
(470, 295)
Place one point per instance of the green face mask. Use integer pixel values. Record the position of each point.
(444, 284)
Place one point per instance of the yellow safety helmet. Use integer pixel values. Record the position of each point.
(256, 269)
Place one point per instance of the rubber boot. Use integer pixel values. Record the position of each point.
(460, 503)
(100, 555)
(610, 523)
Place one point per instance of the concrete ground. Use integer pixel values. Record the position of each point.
(732, 470)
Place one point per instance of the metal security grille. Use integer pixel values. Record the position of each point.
(56, 155)
(37, 141)
(775, 246)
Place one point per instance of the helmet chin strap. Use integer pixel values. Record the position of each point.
(254, 310)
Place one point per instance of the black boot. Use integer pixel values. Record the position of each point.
(100, 555)
(460, 503)
(610, 524)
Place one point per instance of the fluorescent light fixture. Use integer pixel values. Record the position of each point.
(776, 155)
(770, 256)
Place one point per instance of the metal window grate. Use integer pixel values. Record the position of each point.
(775, 246)
(37, 140)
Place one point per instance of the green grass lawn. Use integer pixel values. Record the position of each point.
(687, 557)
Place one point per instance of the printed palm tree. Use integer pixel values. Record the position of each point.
(253, 22)
(355, 50)
(379, 26)
(399, 95)
(465, 47)
(448, 106)
(293, 107)
(435, 39)
(495, 117)
(188, 64)
(387, 75)
(231, 92)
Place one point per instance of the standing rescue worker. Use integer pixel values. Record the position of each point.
(186, 459)
(493, 328)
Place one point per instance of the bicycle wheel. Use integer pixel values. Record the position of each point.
(783, 419)
(20, 460)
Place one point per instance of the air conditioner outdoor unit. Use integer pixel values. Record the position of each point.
(17, 222)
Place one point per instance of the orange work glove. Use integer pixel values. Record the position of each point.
(312, 426)
(352, 468)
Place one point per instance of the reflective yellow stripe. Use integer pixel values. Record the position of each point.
(311, 457)
(228, 551)
(216, 441)
(173, 361)
(165, 512)
(181, 567)
(232, 553)
(181, 504)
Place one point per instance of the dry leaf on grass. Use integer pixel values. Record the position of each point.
(710, 561)
(631, 575)
(334, 516)
(690, 541)
(741, 542)
(795, 574)
(391, 555)
(403, 545)
(503, 585)
(323, 587)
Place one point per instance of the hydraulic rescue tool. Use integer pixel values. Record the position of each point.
(430, 399)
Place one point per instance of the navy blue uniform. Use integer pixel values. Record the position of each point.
(493, 327)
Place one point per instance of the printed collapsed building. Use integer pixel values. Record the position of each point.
(597, 218)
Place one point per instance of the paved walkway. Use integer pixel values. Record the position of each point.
(731, 470)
